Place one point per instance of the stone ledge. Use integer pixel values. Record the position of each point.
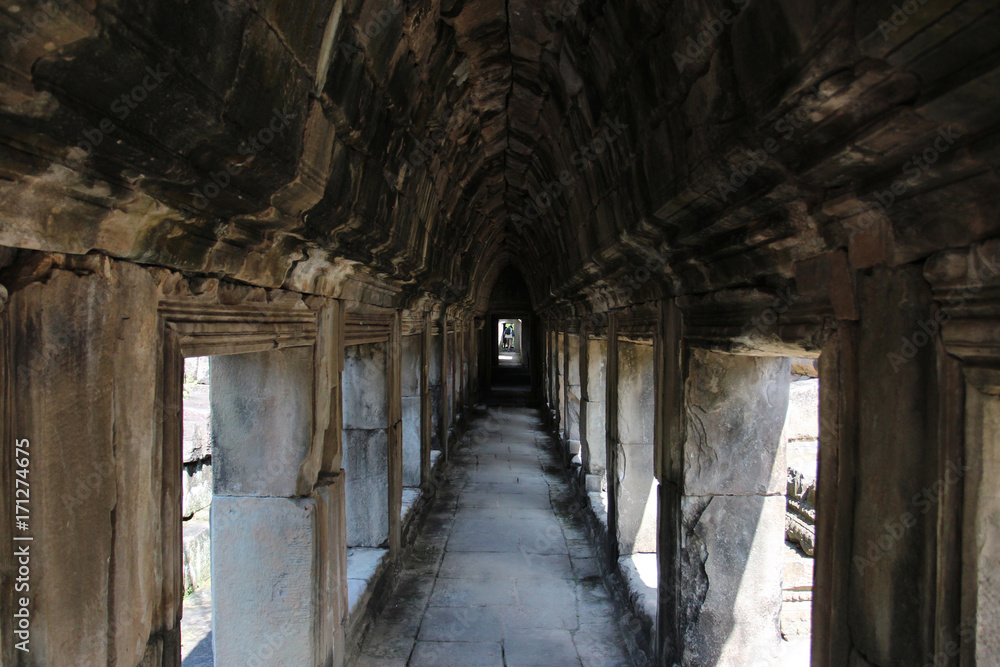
(641, 576)
(364, 565)
(410, 497)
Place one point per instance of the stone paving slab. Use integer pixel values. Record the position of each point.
(540, 648)
(502, 573)
(465, 593)
(436, 654)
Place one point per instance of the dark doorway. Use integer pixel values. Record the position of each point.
(510, 346)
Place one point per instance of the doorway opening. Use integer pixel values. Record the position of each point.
(800, 441)
(246, 427)
(509, 342)
(196, 485)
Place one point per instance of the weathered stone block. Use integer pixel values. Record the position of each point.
(366, 466)
(573, 414)
(410, 368)
(597, 354)
(635, 393)
(82, 354)
(197, 552)
(594, 431)
(636, 500)
(736, 408)
(263, 593)
(411, 440)
(573, 359)
(261, 421)
(802, 421)
(197, 426)
(365, 400)
(196, 487)
(732, 593)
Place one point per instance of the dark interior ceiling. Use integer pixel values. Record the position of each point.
(596, 146)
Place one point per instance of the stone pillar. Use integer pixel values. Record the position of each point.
(556, 393)
(331, 566)
(611, 439)
(393, 384)
(426, 403)
(593, 359)
(467, 366)
(459, 365)
(261, 421)
(454, 356)
(635, 492)
(573, 393)
(550, 392)
(435, 379)
(446, 413)
(561, 379)
(901, 480)
(263, 537)
(669, 434)
(412, 405)
(263, 557)
(838, 369)
(79, 365)
(366, 445)
(731, 511)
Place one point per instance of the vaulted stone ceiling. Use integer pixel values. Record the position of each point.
(597, 146)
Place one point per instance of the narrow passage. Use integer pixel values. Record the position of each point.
(502, 573)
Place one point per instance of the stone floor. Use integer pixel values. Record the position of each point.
(196, 628)
(502, 573)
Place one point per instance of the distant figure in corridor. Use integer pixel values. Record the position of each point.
(508, 336)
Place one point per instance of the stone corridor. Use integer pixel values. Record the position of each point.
(731, 267)
(502, 573)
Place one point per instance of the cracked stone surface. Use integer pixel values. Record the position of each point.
(502, 573)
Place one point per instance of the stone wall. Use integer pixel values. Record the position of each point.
(366, 443)
(93, 349)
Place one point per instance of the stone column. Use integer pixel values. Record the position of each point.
(393, 384)
(593, 353)
(79, 385)
(459, 365)
(561, 378)
(426, 403)
(573, 394)
(366, 445)
(556, 393)
(611, 439)
(331, 575)
(264, 546)
(412, 405)
(731, 510)
(435, 379)
(635, 493)
(445, 387)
